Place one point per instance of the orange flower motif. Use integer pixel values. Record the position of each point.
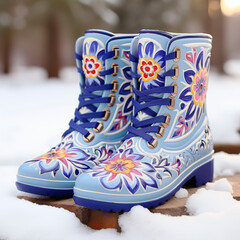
(59, 155)
(148, 69)
(54, 155)
(123, 166)
(91, 66)
(199, 86)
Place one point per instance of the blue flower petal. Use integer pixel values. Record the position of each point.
(100, 54)
(149, 49)
(93, 48)
(182, 106)
(160, 57)
(67, 174)
(188, 76)
(82, 155)
(132, 186)
(126, 73)
(190, 111)
(186, 95)
(199, 63)
(85, 49)
(148, 181)
(140, 50)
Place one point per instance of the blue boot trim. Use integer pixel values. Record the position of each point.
(199, 177)
(63, 193)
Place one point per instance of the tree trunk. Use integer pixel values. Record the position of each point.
(6, 40)
(52, 54)
(217, 31)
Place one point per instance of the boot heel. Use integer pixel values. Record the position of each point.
(203, 174)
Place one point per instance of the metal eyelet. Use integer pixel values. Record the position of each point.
(177, 50)
(172, 106)
(112, 100)
(131, 88)
(99, 127)
(89, 138)
(115, 86)
(175, 89)
(176, 72)
(116, 51)
(167, 120)
(153, 144)
(161, 131)
(107, 114)
(115, 69)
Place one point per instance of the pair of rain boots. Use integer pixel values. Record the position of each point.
(148, 91)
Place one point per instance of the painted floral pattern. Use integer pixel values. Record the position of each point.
(194, 93)
(120, 121)
(151, 64)
(132, 170)
(124, 168)
(69, 159)
(148, 69)
(91, 66)
(199, 86)
(181, 127)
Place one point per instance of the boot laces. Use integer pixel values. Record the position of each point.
(86, 109)
(145, 99)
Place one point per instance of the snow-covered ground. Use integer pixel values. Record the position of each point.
(35, 112)
(214, 214)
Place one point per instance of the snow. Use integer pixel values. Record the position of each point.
(208, 226)
(206, 201)
(231, 67)
(220, 185)
(223, 109)
(225, 164)
(35, 112)
(181, 193)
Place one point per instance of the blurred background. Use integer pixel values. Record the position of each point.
(38, 80)
(42, 32)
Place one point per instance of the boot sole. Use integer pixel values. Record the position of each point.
(49, 192)
(198, 177)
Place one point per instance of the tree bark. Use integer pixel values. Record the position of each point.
(52, 54)
(6, 50)
(217, 31)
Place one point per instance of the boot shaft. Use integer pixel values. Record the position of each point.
(102, 58)
(187, 56)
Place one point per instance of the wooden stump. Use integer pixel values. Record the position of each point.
(97, 219)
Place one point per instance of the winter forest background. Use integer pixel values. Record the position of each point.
(43, 32)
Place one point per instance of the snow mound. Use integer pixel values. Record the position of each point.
(220, 185)
(226, 164)
(141, 224)
(181, 193)
(204, 201)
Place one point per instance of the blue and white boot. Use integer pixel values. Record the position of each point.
(101, 118)
(169, 141)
